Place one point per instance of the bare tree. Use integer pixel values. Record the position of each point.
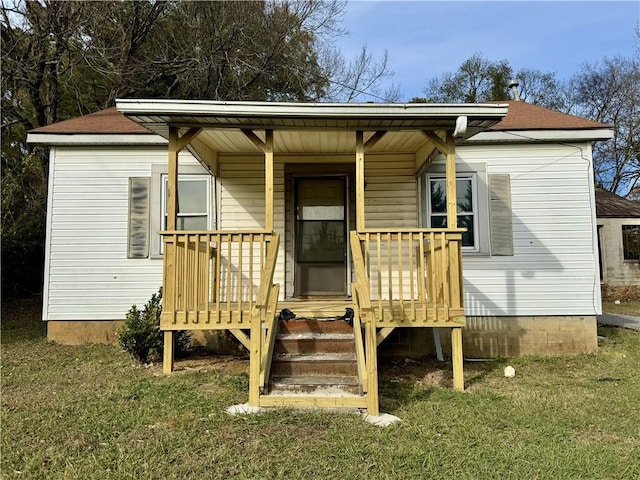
(479, 79)
(609, 92)
(61, 59)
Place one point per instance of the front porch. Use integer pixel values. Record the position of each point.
(224, 281)
(397, 274)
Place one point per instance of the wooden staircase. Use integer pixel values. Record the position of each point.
(315, 358)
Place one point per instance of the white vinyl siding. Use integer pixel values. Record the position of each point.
(88, 274)
(553, 270)
(391, 191)
(242, 199)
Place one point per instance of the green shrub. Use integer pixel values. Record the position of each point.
(141, 335)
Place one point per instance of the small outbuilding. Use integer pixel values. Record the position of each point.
(619, 239)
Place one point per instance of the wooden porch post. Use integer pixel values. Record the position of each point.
(172, 213)
(373, 400)
(175, 145)
(360, 181)
(255, 356)
(455, 280)
(452, 202)
(456, 357)
(268, 181)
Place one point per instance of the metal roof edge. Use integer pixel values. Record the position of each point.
(543, 135)
(275, 109)
(96, 138)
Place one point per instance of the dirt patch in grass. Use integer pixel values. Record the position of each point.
(205, 363)
(429, 373)
(623, 293)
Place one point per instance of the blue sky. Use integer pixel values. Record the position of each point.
(428, 38)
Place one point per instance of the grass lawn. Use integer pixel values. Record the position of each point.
(624, 308)
(82, 412)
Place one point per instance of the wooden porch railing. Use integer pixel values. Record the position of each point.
(410, 277)
(217, 279)
(405, 278)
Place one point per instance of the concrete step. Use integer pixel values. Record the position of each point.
(314, 385)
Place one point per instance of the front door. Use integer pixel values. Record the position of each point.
(320, 235)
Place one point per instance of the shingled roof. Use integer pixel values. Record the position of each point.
(525, 116)
(108, 121)
(610, 205)
(520, 116)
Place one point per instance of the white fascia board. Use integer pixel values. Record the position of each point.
(542, 135)
(95, 139)
(305, 110)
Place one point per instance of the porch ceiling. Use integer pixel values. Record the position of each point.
(311, 142)
(305, 128)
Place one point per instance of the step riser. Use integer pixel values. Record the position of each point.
(354, 389)
(314, 367)
(314, 358)
(313, 346)
(310, 326)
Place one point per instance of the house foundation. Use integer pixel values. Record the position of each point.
(80, 332)
(482, 337)
(503, 337)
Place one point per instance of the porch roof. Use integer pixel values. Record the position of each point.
(309, 127)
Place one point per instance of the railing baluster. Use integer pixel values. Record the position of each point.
(390, 275)
(400, 277)
(379, 273)
(412, 276)
(229, 278)
(186, 279)
(251, 240)
(218, 276)
(240, 277)
(207, 276)
(445, 275)
(423, 274)
(196, 276)
(434, 281)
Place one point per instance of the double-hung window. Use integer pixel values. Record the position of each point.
(466, 198)
(193, 202)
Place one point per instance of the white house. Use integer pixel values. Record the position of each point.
(294, 180)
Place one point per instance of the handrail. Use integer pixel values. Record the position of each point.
(267, 272)
(272, 326)
(357, 332)
(265, 309)
(362, 279)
